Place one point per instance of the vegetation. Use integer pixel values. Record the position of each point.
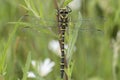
(27, 28)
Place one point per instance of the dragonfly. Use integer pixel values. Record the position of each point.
(63, 21)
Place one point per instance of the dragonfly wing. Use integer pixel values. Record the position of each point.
(40, 21)
(93, 25)
(45, 30)
(40, 25)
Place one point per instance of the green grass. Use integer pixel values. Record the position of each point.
(93, 58)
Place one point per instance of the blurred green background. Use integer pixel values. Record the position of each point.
(97, 53)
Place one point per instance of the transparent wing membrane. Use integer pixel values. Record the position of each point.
(93, 25)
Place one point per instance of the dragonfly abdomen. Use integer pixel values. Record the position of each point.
(62, 55)
(62, 41)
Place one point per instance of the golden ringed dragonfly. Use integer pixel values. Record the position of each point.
(64, 25)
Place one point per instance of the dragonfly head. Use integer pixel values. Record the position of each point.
(64, 11)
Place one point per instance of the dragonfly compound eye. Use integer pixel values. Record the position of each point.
(66, 12)
(61, 12)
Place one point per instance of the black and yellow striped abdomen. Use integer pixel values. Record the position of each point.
(62, 38)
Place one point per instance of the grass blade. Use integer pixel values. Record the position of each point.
(27, 66)
(73, 38)
(4, 53)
